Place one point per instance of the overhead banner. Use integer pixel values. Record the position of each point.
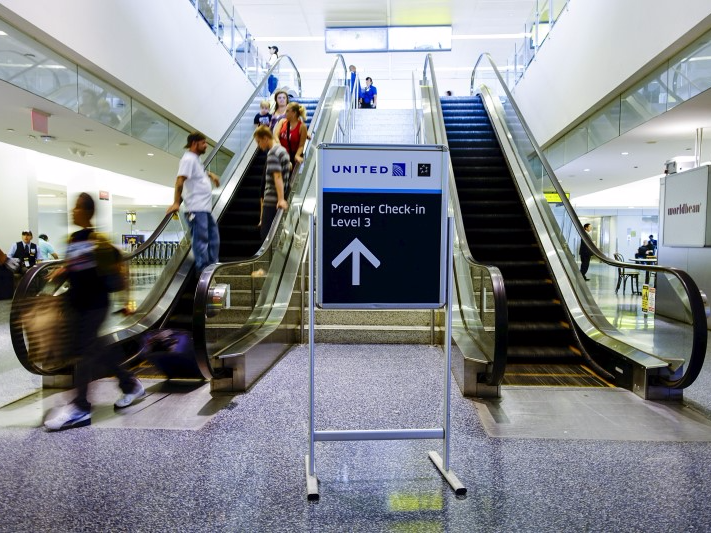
(381, 226)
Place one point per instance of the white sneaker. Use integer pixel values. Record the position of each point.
(69, 416)
(128, 398)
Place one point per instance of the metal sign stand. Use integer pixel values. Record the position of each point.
(443, 433)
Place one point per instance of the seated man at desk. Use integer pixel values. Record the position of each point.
(645, 250)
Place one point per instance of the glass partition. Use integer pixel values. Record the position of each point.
(616, 306)
(262, 287)
(479, 321)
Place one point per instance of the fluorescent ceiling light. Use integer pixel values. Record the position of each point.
(2, 34)
(289, 39)
(490, 36)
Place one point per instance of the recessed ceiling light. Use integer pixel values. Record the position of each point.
(10, 130)
(625, 153)
(122, 144)
(586, 170)
(2, 33)
(651, 142)
(150, 154)
(88, 130)
(631, 207)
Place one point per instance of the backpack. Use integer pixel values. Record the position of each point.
(110, 264)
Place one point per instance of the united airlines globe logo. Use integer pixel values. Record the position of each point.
(399, 169)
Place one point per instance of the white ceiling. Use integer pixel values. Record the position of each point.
(280, 21)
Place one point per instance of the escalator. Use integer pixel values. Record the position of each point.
(523, 313)
(542, 338)
(168, 302)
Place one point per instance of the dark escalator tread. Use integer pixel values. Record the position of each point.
(499, 233)
(562, 375)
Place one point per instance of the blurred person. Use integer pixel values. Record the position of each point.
(264, 117)
(291, 132)
(645, 250)
(26, 252)
(46, 249)
(277, 167)
(194, 186)
(653, 243)
(281, 100)
(11, 263)
(88, 305)
(369, 95)
(585, 253)
(354, 82)
(8, 265)
(273, 80)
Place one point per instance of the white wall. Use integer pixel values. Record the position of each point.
(22, 171)
(158, 49)
(595, 47)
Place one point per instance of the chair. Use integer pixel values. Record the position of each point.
(625, 273)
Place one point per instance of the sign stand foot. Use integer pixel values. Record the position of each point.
(311, 484)
(450, 476)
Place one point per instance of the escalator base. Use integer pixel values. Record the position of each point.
(551, 376)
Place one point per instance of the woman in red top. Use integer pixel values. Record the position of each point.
(291, 132)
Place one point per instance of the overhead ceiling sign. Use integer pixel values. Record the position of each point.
(389, 39)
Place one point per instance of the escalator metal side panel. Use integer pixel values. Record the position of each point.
(262, 345)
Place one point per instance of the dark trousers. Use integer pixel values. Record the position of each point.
(94, 360)
(584, 264)
(268, 215)
(272, 83)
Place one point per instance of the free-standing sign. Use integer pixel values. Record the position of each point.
(381, 226)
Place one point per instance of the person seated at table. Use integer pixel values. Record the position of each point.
(644, 251)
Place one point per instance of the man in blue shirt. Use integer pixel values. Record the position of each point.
(369, 95)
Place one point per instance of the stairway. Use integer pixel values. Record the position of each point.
(500, 234)
(383, 126)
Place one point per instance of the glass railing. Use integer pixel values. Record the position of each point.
(155, 283)
(603, 311)
(480, 317)
(262, 287)
(232, 33)
(543, 17)
(678, 79)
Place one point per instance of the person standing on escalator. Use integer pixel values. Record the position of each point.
(194, 186)
(585, 253)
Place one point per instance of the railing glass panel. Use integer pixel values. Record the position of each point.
(479, 320)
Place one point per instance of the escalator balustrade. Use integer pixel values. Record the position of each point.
(499, 233)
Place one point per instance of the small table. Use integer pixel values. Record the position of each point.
(651, 260)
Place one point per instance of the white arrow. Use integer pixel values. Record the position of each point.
(356, 248)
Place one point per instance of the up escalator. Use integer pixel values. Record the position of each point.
(168, 300)
(543, 345)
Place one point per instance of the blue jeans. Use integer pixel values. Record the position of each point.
(205, 239)
(272, 83)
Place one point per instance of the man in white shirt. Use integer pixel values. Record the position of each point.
(193, 186)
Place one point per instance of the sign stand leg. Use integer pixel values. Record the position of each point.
(442, 463)
(311, 479)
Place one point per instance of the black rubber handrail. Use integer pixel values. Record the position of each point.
(696, 304)
(495, 373)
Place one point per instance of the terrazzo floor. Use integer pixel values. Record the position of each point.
(244, 469)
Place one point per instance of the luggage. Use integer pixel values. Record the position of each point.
(172, 352)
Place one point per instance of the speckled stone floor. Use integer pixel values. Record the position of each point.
(244, 470)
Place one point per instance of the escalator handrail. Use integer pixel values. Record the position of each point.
(202, 290)
(495, 374)
(696, 304)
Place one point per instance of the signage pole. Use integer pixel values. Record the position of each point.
(311, 480)
(442, 463)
